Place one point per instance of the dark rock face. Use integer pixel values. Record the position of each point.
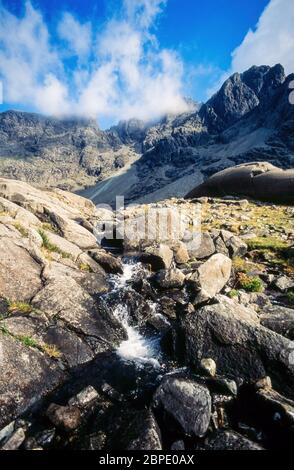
(140, 432)
(26, 374)
(65, 153)
(279, 319)
(240, 94)
(251, 108)
(260, 181)
(229, 440)
(187, 402)
(232, 336)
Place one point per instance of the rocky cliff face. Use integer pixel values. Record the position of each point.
(65, 153)
(248, 119)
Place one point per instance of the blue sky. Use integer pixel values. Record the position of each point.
(114, 59)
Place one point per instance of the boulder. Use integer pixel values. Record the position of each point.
(232, 335)
(208, 367)
(284, 283)
(140, 432)
(229, 440)
(258, 180)
(211, 277)
(20, 274)
(169, 279)
(159, 257)
(181, 254)
(280, 408)
(235, 245)
(72, 231)
(187, 402)
(279, 319)
(63, 245)
(66, 418)
(15, 441)
(84, 398)
(27, 375)
(204, 249)
(69, 302)
(109, 263)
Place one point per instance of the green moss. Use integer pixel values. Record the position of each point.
(233, 293)
(50, 227)
(27, 341)
(4, 330)
(241, 265)
(267, 243)
(85, 267)
(51, 247)
(250, 284)
(22, 230)
(20, 307)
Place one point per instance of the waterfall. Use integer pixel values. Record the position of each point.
(137, 347)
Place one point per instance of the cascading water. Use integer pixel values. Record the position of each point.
(137, 347)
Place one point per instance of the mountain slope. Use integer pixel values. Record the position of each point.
(248, 119)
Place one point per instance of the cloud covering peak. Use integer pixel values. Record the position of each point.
(116, 73)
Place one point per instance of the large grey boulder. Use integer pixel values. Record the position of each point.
(159, 257)
(72, 304)
(188, 402)
(26, 376)
(259, 180)
(169, 279)
(279, 319)
(205, 249)
(232, 335)
(210, 278)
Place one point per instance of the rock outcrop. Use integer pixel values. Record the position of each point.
(51, 320)
(261, 181)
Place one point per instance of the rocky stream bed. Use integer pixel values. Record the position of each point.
(152, 348)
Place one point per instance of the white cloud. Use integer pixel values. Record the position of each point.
(143, 12)
(128, 74)
(272, 41)
(76, 35)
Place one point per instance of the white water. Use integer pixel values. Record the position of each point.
(136, 347)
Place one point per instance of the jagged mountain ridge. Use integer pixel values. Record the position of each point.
(248, 119)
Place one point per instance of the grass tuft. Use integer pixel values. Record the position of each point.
(51, 247)
(51, 351)
(85, 267)
(22, 230)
